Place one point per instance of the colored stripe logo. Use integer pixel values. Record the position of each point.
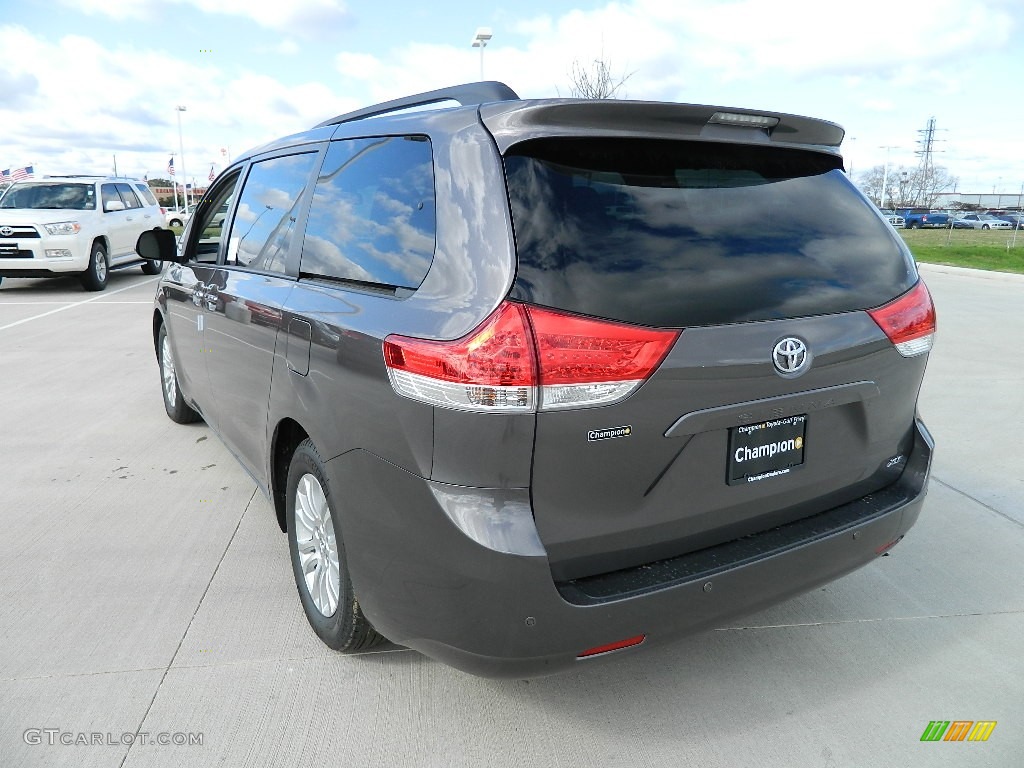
(958, 730)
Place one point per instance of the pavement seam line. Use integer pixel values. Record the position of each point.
(873, 621)
(103, 295)
(245, 662)
(977, 501)
(152, 701)
(78, 674)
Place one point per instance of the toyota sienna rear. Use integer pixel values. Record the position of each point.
(532, 382)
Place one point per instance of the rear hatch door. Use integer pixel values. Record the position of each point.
(781, 397)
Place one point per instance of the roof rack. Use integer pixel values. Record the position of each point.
(469, 93)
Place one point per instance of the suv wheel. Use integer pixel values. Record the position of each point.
(95, 276)
(318, 557)
(177, 409)
(152, 267)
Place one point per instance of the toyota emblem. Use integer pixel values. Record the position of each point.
(791, 357)
(6, 231)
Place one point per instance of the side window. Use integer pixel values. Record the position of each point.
(131, 200)
(372, 218)
(146, 194)
(108, 194)
(264, 223)
(207, 226)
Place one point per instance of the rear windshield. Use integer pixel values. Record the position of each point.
(75, 197)
(674, 234)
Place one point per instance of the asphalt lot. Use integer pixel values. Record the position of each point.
(145, 589)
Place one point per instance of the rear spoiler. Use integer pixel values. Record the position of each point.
(512, 122)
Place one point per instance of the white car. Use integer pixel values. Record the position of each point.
(981, 221)
(83, 225)
(176, 218)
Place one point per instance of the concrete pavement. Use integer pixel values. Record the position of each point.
(145, 589)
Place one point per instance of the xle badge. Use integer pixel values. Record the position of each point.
(609, 434)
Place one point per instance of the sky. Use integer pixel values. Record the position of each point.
(85, 82)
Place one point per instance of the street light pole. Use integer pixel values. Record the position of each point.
(885, 175)
(483, 34)
(181, 146)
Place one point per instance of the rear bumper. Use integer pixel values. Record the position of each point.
(426, 585)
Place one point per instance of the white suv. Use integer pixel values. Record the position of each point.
(82, 225)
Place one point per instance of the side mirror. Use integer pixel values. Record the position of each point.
(113, 205)
(158, 245)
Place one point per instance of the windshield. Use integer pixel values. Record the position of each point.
(75, 197)
(676, 234)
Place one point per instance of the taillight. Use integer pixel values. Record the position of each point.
(909, 321)
(524, 358)
(584, 362)
(491, 369)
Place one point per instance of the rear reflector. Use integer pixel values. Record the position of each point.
(909, 321)
(887, 546)
(523, 358)
(628, 643)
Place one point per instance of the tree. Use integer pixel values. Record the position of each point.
(160, 183)
(906, 187)
(597, 82)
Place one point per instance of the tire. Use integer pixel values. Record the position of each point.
(984, 226)
(177, 409)
(152, 267)
(318, 557)
(174, 223)
(95, 276)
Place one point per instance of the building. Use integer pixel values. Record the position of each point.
(979, 200)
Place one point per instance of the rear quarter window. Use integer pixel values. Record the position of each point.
(675, 233)
(372, 218)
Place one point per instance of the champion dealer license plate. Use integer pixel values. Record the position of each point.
(765, 450)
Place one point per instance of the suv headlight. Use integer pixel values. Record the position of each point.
(63, 228)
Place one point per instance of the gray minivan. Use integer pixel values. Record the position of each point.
(533, 382)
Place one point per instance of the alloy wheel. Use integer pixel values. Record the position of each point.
(317, 545)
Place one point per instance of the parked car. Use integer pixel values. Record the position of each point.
(1016, 220)
(177, 217)
(525, 392)
(981, 221)
(80, 225)
(894, 218)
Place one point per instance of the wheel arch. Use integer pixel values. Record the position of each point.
(158, 323)
(288, 434)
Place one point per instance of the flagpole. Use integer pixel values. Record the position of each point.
(174, 181)
(181, 142)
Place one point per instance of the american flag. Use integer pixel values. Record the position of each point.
(5, 174)
(212, 176)
(20, 174)
(170, 167)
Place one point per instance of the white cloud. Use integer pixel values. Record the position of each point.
(306, 18)
(302, 17)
